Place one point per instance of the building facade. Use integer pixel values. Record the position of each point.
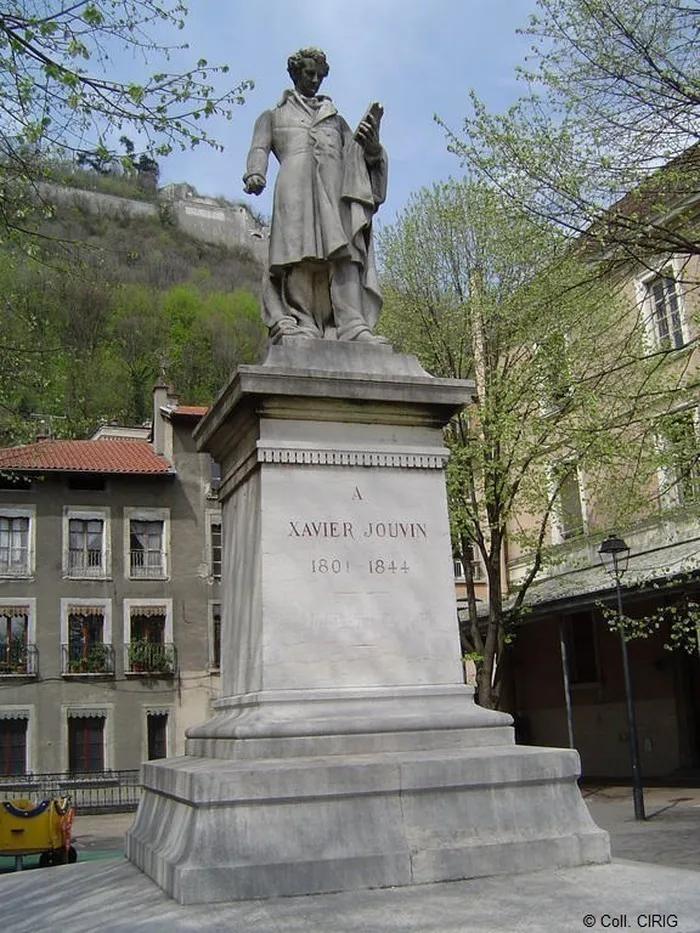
(110, 561)
(567, 684)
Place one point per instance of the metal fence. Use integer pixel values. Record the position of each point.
(91, 792)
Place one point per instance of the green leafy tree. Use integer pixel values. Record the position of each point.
(61, 98)
(27, 346)
(563, 384)
(611, 92)
(207, 337)
(138, 335)
(81, 348)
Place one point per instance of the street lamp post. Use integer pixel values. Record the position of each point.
(614, 554)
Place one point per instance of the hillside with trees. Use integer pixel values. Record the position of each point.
(101, 303)
(97, 305)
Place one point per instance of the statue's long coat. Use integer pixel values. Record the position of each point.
(325, 195)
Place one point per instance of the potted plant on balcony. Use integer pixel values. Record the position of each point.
(13, 658)
(161, 662)
(139, 656)
(18, 655)
(97, 659)
(149, 657)
(93, 661)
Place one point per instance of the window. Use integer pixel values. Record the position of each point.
(665, 318)
(157, 729)
(214, 479)
(85, 544)
(148, 636)
(569, 515)
(551, 360)
(215, 636)
(86, 637)
(680, 452)
(475, 561)
(17, 651)
(215, 542)
(570, 511)
(86, 536)
(86, 743)
(16, 542)
(581, 648)
(146, 543)
(148, 624)
(13, 745)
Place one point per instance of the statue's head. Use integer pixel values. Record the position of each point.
(307, 68)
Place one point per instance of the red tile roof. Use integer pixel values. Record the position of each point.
(100, 456)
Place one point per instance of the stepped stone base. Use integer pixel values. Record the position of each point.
(221, 830)
(345, 752)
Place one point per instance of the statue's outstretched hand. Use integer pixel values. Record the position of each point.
(254, 184)
(367, 135)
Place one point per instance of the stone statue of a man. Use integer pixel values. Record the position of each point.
(322, 278)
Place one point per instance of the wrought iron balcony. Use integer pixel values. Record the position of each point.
(146, 565)
(86, 564)
(150, 658)
(18, 660)
(14, 561)
(95, 658)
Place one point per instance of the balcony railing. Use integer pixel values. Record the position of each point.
(14, 561)
(86, 564)
(91, 659)
(147, 565)
(90, 792)
(19, 660)
(150, 658)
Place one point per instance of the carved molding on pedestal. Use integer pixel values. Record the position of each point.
(421, 458)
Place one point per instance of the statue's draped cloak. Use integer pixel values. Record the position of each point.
(325, 195)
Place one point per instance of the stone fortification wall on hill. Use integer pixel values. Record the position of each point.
(211, 220)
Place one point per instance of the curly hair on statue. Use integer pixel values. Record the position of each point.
(294, 62)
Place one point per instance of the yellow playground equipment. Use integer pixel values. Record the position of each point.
(42, 829)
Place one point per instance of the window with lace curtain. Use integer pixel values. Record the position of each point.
(16, 542)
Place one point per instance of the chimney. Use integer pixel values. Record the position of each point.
(43, 431)
(161, 429)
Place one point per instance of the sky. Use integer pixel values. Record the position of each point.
(417, 57)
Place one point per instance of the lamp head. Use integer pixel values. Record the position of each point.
(615, 555)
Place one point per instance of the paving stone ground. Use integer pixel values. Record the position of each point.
(670, 835)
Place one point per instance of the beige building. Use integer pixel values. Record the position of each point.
(567, 678)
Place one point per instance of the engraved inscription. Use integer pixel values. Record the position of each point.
(380, 566)
(330, 565)
(395, 530)
(377, 566)
(321, 530)
(343, 529)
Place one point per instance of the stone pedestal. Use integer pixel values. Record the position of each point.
(346, 751)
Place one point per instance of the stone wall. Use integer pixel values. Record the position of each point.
(96, 201)
(211, 220)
